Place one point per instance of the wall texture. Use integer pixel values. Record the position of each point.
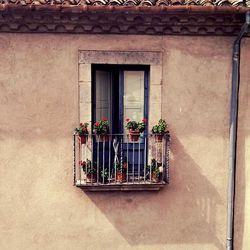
(242, 211)
(39, 207)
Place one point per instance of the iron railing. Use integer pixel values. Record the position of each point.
(121, 159)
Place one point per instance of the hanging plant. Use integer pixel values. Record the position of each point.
(135, 128)
(159, 130)
(82, 132)
(101, 129)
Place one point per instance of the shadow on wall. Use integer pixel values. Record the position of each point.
(240, 194)
(240, 217)
(183, 212)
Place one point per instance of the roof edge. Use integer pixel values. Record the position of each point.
(127, 9)
(124, 20)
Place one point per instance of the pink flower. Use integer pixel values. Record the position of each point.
(127, 119)
(104, 119)
(144, 120)
(97, 124)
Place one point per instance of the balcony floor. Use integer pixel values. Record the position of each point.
(136, 186)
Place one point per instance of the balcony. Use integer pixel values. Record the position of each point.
(119, 162)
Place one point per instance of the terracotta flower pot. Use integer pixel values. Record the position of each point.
(158, 137)
(134, 135)
(120, 177)
(155, 177)
(91, 178)
(83, 139)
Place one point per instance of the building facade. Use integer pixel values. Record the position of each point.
(49, 52)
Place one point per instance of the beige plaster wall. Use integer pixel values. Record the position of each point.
(39, 207)
(242, 202)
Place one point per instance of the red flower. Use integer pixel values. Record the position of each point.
(144, 120)
(82, 163)
(81, 124)
(127, 119)
(97, 124)
(125, 165)
(104, 119)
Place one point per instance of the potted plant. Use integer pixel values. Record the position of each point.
(89, 170)
(82, 132)
(101, 130)
(121, 170)
(156, 171)
(159, 130)
(135, 128)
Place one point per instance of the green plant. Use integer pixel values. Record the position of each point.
(155, 168)
(82, 129)
(87, 167)
(122, 168)
(101, 127)
(104, 174)
(160, 128)
(136, 126)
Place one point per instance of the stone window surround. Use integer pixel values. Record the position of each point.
(151, 58)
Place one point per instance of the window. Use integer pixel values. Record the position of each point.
(119, 92)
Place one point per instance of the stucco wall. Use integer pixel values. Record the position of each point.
(39, 207)
(242, 201)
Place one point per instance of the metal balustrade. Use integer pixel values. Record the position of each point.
(121, 162)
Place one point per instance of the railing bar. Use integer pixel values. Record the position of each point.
(85, 152)
(115, 170)
(127, 161)
(133, 171)
(81, 156)
(167, 157)
(92, 160)
(97, 177)
(145, 156)
(115, 160)
(162, 158)
(156, 151)
(139, 160)
(103, 159)
(121, 161)
(109, 157)
(150, 175)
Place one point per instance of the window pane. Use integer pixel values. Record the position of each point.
(103, 95)
(133, 95)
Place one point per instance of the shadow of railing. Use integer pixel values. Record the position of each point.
(183, 212)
